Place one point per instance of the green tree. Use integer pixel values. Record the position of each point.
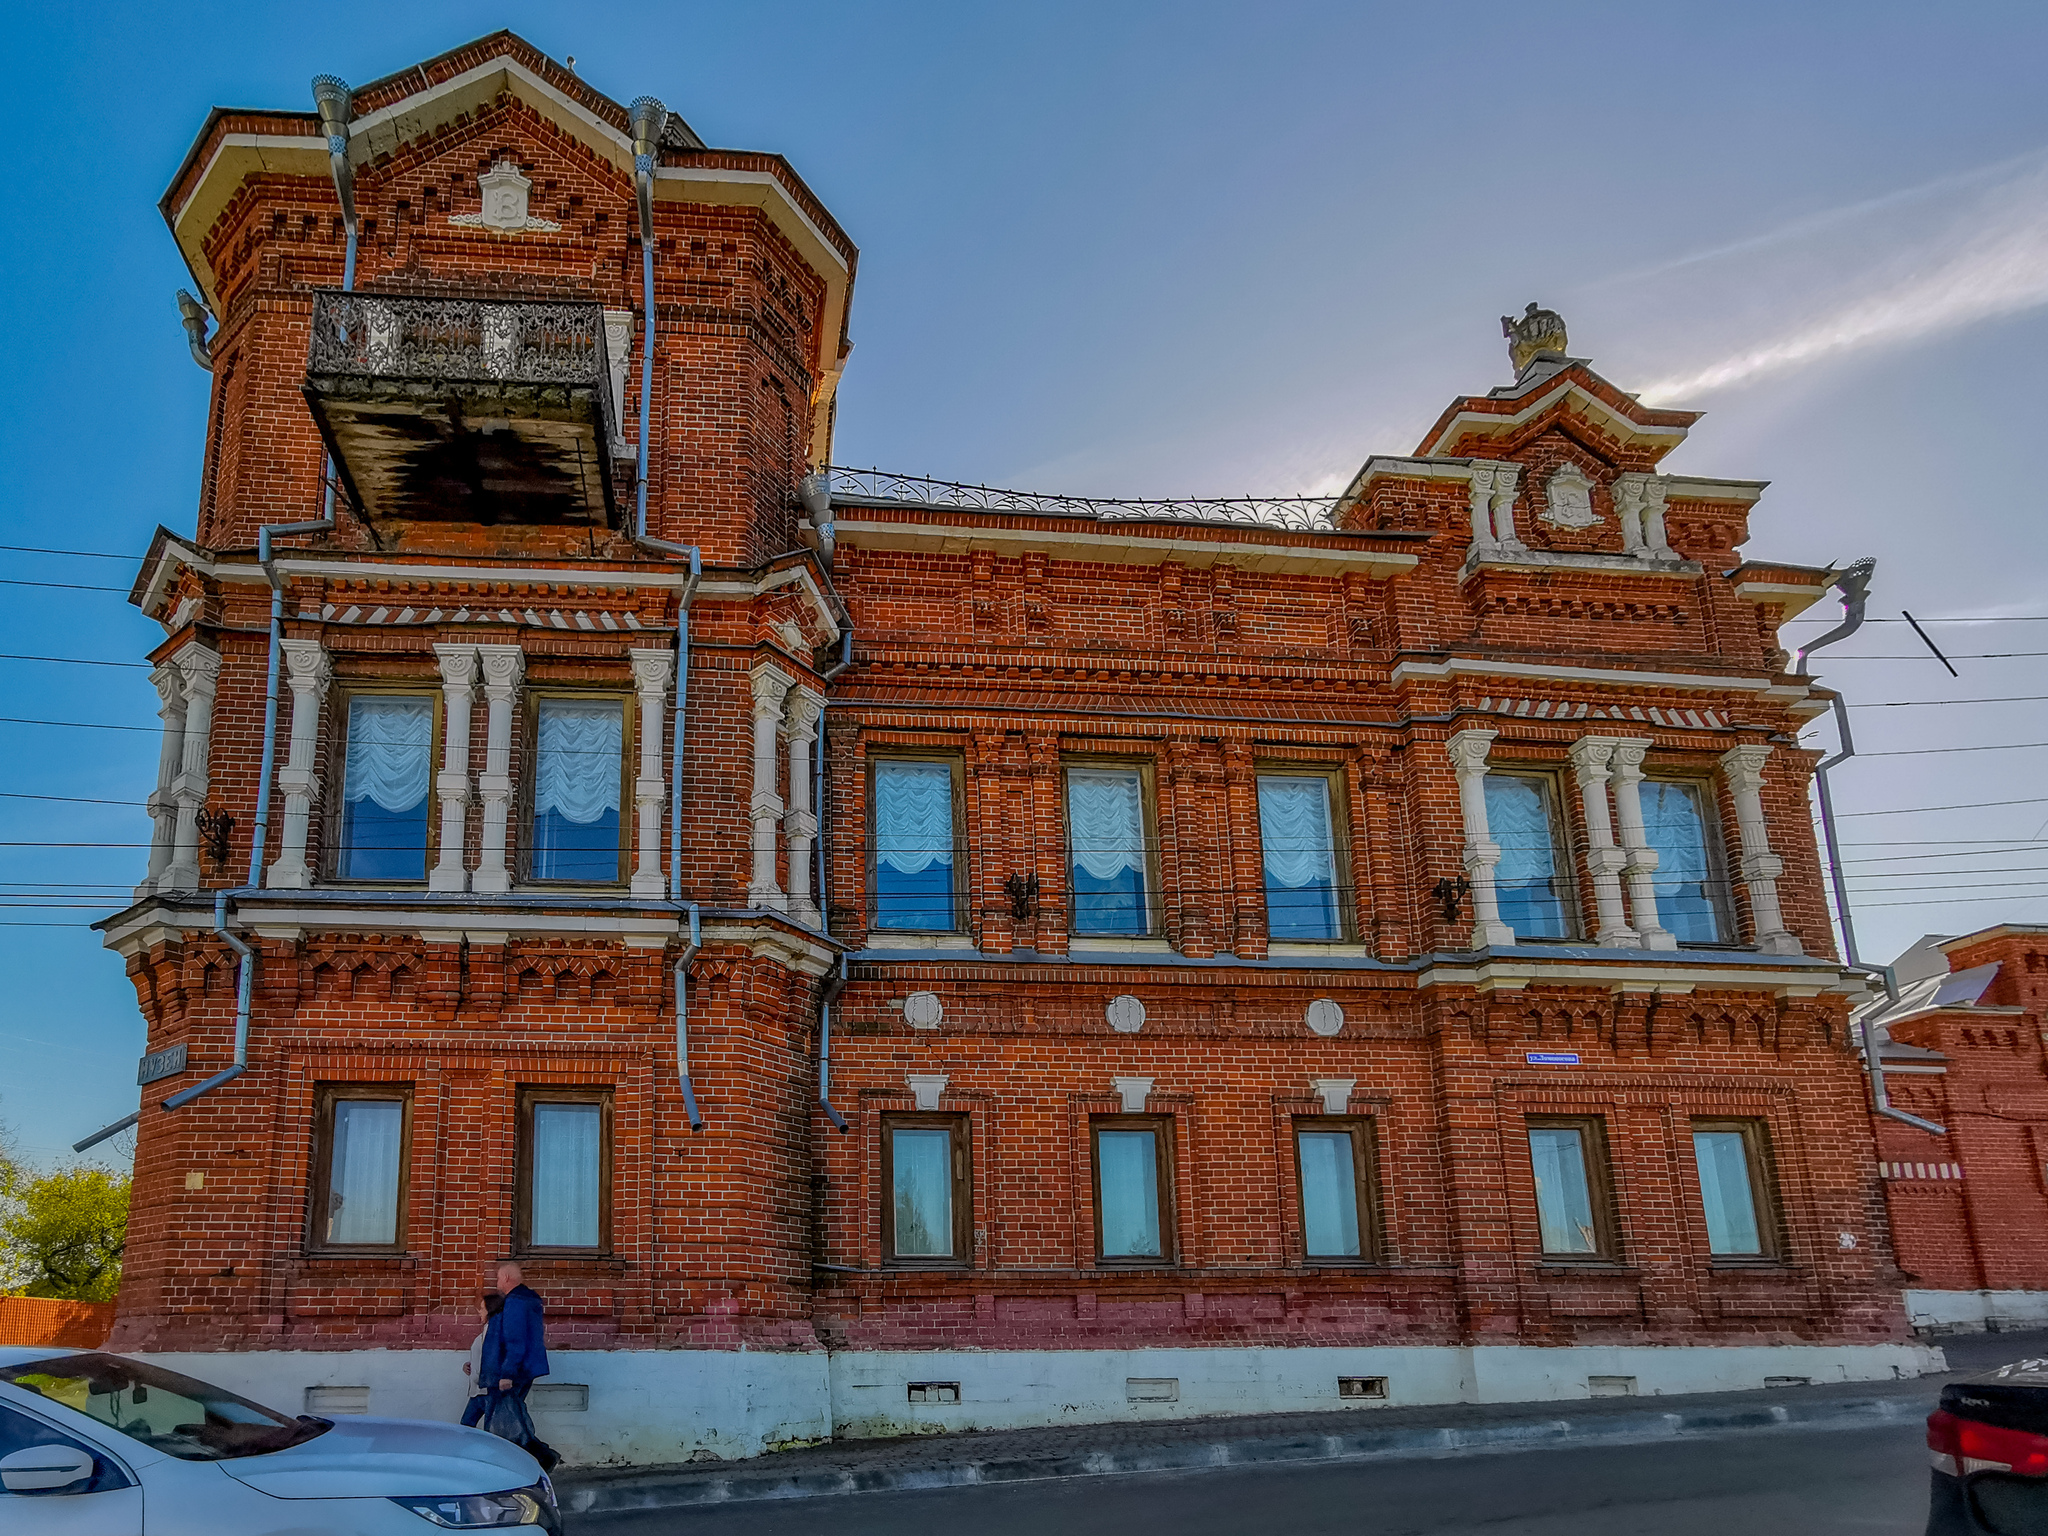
(64, 1232)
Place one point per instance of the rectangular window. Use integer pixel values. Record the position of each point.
(579, 778)
(1521, 816)
(1133, 1190)
(1688, 880)
(914, 846)
(1735, 1188)
(565, 1170)
(1569, 1158)
(1335, 1161)
(387, 770)
(360, 1152)
(926, 1216)
(1106, 832)
(1298, 840)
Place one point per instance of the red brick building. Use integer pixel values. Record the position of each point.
(1962, 1047)
(1053, 958)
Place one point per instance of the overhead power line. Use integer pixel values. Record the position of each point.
(75, 661)
(85, 554)
(66, 586)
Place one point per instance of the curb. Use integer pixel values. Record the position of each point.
(658, 1492)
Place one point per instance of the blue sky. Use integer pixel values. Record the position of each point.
(1158, 249)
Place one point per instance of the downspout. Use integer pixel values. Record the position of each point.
(683, 1019)
(834, 985)
(334, 101)
(1853, 582)
(648, 118)
(192, 314)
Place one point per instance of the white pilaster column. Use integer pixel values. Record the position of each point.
(199, 675)
(1468, 751)
(1504, 478)
(1744, 769)
(451, 784)
(1655, 542)
(503, 667)
(800, 825)
(309, 672)
(771, 688)
(1482, 510)
(1628, 510)
(1627, 769)
(652, 670)
(1604, 861)
(163, 805)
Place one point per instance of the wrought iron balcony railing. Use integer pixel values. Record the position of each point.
(465, 408)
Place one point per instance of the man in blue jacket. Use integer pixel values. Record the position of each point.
(515, 1349)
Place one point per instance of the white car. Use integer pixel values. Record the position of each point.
(100, 1445)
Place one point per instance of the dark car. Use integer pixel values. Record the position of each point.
(1989, 1444)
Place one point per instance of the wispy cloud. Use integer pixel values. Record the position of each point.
(1883, 272)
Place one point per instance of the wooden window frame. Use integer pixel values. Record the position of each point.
(1148, 833)
(1340, 840)
(1564, 855)
(1720, 888)
(1600, 1188)
(1163, 1152)
(1365, 1166)
(528, 1095)
(1763, 1187)
(961, 1131)
(321, 1184)
(331, 819)
(958, 765)
(529, 763)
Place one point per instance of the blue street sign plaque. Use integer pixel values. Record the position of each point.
(1552, 1058)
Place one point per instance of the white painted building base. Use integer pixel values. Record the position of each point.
(644, 1407)
(1976, 1311)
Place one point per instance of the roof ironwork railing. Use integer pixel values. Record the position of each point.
(1304, 514)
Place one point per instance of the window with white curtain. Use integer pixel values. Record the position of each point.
(914, 845)
(1688, 883)
(1735, 1191)
(1335, 1161)
(927, 1220)
(1106, 837)
(579, 768)
(387, 771)
(565, 1167)
(1300, 850)
(1529, 881)
(1133, 1190)
(359, 1167)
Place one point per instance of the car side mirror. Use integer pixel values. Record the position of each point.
(41, 1468)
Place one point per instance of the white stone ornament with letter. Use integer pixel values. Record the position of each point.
(505, 197)
(1568, 499)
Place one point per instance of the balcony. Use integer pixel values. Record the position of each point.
(462, 410)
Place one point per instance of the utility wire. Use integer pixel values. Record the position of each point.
(86, 554)
(75, 661)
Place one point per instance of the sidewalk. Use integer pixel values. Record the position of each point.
(1083, 1450)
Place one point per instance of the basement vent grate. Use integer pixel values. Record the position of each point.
(935, 1391)
(330, 1400)
(558, 1397)
(1362, 1386)
(1152, 1389)
(1610, 1386)
(1787, 1381)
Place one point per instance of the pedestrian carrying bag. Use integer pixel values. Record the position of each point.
(507, 1418)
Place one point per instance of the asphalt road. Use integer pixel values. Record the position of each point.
(1772, 1483)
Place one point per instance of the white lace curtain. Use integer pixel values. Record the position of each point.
(1518, 818)
(363, 1174)
(913, 816)
(1674, 827)
(1106, 821)
(390, 750)
(568, 1148)
(1294, 831)
(576, 773)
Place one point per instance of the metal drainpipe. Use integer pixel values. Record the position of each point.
(1853, 582)
(334, 101)
(192, 314)
(648, 116)
(834, 985)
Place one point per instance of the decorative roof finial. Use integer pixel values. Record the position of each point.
(1539, 330)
